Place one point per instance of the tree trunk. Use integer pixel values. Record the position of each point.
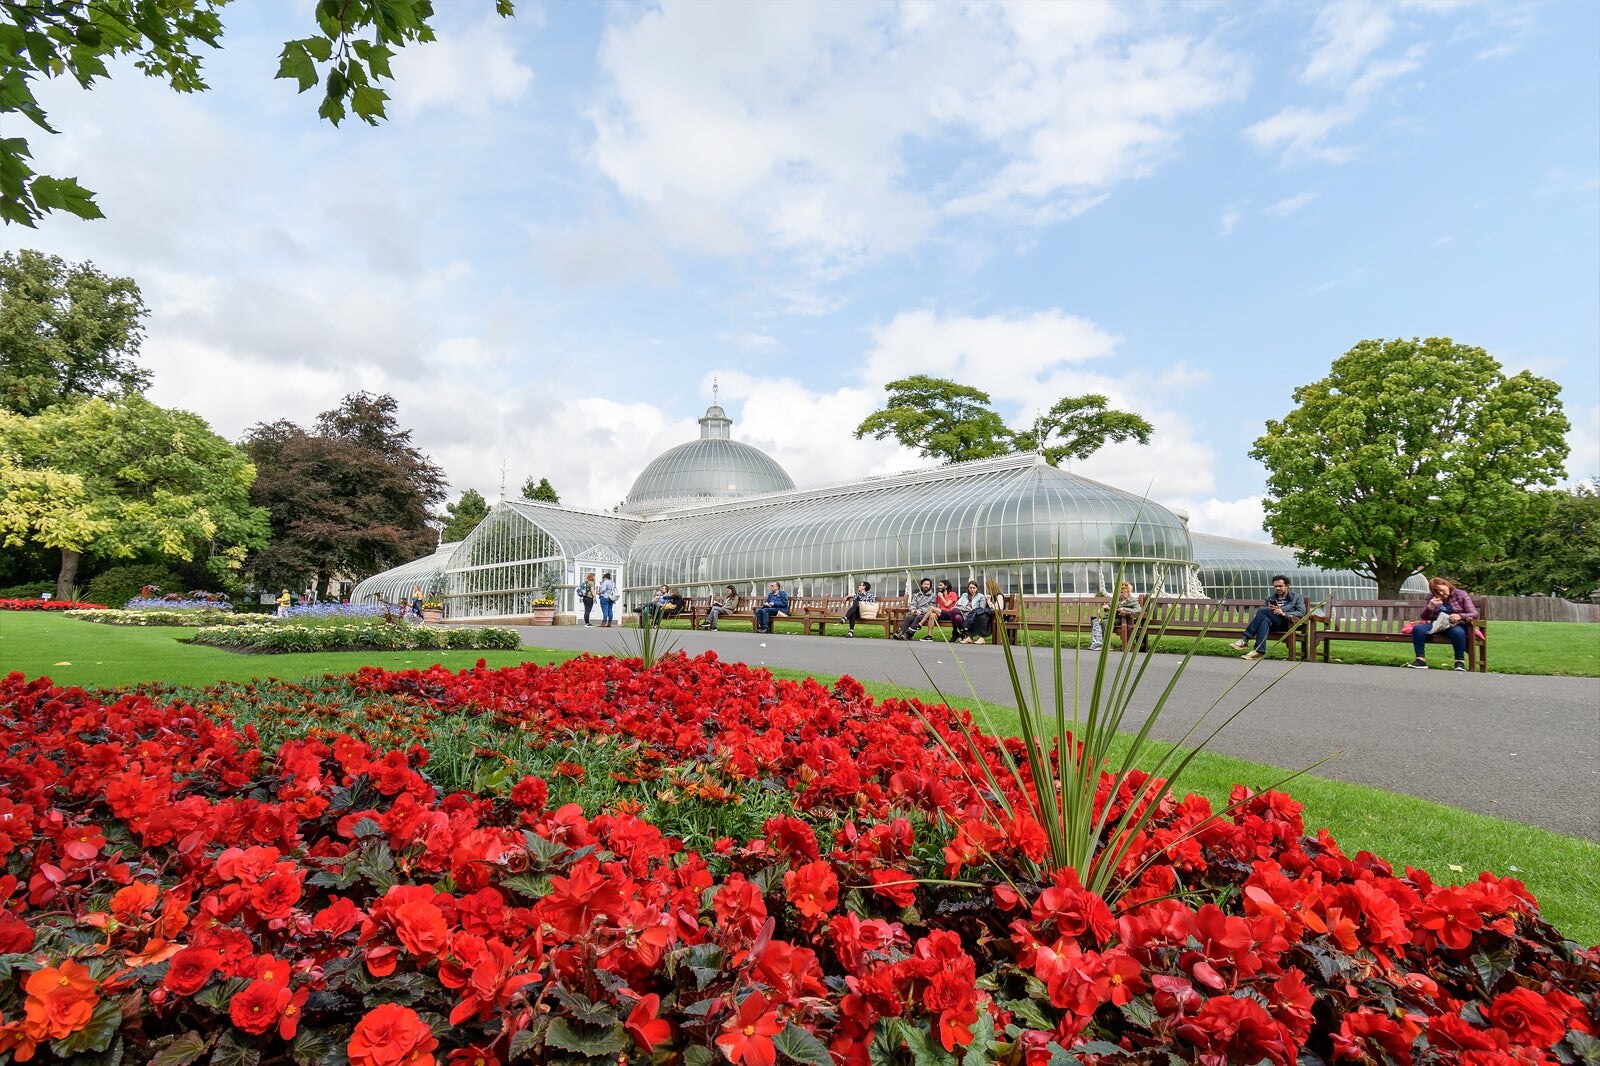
(69, 573)
(1389, 579)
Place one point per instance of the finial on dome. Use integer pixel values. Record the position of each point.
(713, 392)
(715, 423)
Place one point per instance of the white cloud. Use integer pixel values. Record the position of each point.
(1230, 219)
(751, 341)
(1227, 518)
(603, 254)
(467, 72)
(791, 124)
(1583, 443)
(1301, 133)
(1350, 33)
(1290, 204)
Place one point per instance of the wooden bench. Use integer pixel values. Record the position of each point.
(891, 612)
(1185, 617)
(1381, 620)
(1169, 617)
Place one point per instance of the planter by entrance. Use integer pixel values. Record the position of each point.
(433, 614)
(544, 616)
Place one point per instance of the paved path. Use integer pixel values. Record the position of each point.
(1517, 747)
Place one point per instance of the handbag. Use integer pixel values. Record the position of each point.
(867, 609)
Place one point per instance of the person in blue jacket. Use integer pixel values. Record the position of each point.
(776, 603)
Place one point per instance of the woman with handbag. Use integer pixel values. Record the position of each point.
(586, 595)
(970, 619)
(608, 598)
(862, 605)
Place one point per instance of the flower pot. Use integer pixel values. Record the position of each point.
(433, 614)
(544, 616)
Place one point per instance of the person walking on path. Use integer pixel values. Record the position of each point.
(1449, 611)
(607, 592)
(1280, 610)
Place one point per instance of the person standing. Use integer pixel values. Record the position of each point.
(586, 595)
(776, 603)
(607, 592)
(852, 614)
(284, 599)
(416, 601)
(1450, 611)
(1280, 610)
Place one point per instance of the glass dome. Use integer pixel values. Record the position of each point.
(714, 467)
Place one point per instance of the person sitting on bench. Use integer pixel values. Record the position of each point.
(776, 603)
(666, 605)
(727, 604)
(852, 614)
(1450, 611)
(1278, 612)
(916, 610)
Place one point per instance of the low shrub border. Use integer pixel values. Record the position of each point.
(174, 890)
(160, 616)
(365, 635)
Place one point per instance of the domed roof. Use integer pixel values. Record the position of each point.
(700, 472)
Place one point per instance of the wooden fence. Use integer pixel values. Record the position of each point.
(1540, 609)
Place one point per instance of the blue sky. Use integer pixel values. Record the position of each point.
(576, 220)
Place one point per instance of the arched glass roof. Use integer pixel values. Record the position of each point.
(989, 515)
(395, 586)
(1239, 569)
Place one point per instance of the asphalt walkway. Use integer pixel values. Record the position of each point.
(1513, 746)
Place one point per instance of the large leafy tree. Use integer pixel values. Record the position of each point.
(352, 496)
(347, 54)
(125, 479)
(541, 491)
(1409, 454)
(66, 331)
(463, 516)
(945, 420)
(1076, 427)
(1555, 548)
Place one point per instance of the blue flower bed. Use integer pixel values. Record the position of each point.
(152, 603)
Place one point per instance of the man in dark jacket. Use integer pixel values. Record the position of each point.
(1282, 609)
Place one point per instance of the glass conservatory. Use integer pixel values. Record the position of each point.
(715, 512)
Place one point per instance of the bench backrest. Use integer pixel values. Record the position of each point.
(1379, 616)
(1040, 611)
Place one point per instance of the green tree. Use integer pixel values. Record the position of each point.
(939, 418)
(542, 491)
(945, 420)
(1076, 427)
(1407, 455)
(353, 498)
(66, 331)
(125, 480)
(347, 54)
(463, 516)
(1554, 549)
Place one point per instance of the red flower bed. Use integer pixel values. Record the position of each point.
(49, 605)
(173, 891)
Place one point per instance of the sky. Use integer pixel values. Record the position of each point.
(579, 222)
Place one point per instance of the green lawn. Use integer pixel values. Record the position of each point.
(1452, 845)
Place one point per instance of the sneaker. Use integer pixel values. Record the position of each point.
(1417, 664)
(977, 640)
(850, 633)
(925, 637)
(1441, 623)
(1239, 645)
(1461, 666)
(1252, 655)
(588, 625)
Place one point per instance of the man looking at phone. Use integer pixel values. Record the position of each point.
(1281, 609)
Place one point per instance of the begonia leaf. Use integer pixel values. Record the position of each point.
(799, 1044)
(1492, 964)
(314, 1047)
(181, 1050)
(588, 1040)
(698, 1056)
(235, 1049)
